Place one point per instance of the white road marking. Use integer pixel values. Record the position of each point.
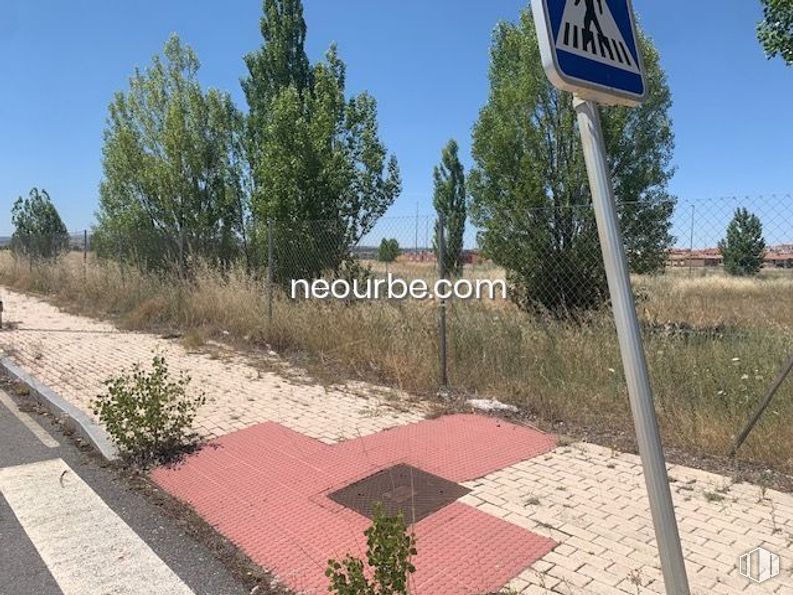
(28, 421)
(85, 545)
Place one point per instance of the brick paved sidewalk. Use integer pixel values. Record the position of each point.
(592, 501)
(587, 499)
(270, 491)
(74, 355)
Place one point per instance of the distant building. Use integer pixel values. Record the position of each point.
(417, 256)
(707, 258)
(473, 257)
(779, 260)
(778, 257)
(469, 256)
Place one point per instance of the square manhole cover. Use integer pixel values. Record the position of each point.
(402, 488)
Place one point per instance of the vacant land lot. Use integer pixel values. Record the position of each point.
(713, 343)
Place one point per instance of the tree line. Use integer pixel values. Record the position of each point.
(189, 176)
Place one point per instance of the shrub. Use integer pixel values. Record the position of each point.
(389, 250)
(743, 248)
(148, 415)
(40, 233)
(389, 550)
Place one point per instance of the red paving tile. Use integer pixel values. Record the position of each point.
(265, 488)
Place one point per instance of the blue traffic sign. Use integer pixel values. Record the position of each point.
(590, 47)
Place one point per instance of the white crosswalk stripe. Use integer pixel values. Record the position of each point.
(28, 422)
(86, 546)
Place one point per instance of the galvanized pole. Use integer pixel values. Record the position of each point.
(787, 369)
(633, 359)
(691, 243)
(121, 260)
(85, 252)
(181, 252)
(270, 271)
(442, 312)
(417, 231)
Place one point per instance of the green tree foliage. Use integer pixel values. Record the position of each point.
(529, 188)
(389, 250)
(39, 232)
(743, 248)
(319, 169)
(389, 551)
(280, 64)
(449, 199)
(775, 31)
(174, 173)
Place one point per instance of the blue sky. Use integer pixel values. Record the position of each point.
(425, 61)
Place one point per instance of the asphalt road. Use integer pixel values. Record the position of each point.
(70, 526)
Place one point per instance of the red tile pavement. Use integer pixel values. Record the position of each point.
(265, 488)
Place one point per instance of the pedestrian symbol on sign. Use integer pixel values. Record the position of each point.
(590, 47)
(591, 18)
(591, 32)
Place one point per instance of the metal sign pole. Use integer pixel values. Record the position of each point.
(633, 360)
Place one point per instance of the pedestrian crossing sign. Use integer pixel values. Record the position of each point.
(590, 47)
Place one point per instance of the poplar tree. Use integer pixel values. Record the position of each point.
(319, 168)
(280, 63)
(530, 194)
(449, 199)
(173, 187)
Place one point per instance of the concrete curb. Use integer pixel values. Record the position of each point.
(56, 405)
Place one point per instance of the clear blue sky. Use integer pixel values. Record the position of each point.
(425, 61)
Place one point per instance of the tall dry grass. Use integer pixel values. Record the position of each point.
(713, 344)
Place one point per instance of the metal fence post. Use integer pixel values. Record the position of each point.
(85, 253)
(181, 253)
(270, 271)
(120, 259)
(691, 243)
(762, 407)
(441, 254)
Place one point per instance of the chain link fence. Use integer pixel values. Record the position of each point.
(556, 320)
(714, 339)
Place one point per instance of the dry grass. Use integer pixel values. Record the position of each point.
(429, 270)
(713, 299)
(713, 344)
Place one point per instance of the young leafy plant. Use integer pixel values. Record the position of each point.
(148, 415)
(390, 549)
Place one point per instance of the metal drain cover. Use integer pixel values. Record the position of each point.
(402, 488)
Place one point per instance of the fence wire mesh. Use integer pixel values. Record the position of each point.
(715, 335)
(714, 293)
